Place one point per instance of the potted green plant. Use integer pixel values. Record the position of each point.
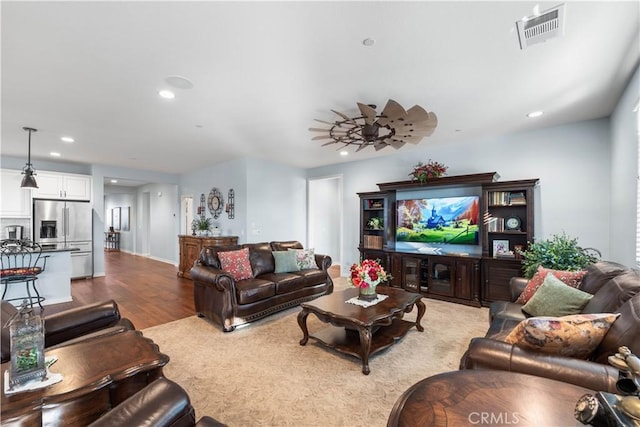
(375, 223)
(560, 252)
(203, 225)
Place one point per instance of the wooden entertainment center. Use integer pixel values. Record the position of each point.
(506, 221)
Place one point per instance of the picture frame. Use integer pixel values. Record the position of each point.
(115, 218)
(500, 247)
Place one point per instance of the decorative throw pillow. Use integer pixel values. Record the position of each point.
(555, 298)
(571, 278)
(577, 335)
(285, 261)
(305, 258)
(236, 263)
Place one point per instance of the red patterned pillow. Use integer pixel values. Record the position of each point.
(236, 263)
(571, 278)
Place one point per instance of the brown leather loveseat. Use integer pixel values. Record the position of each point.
(230, 303)
(615, 289)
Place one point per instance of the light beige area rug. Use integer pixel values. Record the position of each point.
(260, 375)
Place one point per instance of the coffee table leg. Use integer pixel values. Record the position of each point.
(421, 310)
(302, 321)
(365, 344)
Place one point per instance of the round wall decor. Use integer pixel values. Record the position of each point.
(215, 202)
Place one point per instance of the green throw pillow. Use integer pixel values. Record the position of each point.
(555, 298)
(285, 261)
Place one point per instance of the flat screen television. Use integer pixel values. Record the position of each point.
(451, 220)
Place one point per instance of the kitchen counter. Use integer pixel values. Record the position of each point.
(58, 248)
(54, 283)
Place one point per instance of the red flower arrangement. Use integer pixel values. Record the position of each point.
(369, 273)
(421, 172)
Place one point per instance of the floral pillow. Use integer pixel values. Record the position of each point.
(305, 258)
(236, 263)
(571, 278)
(577, 335)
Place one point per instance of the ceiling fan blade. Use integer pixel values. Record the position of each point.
(368, 113)
(362, 146)
(391, 113)
(325, 122)
(379, 145)
(416, 114)
(344, 116)
(395, 143)
(315, 138)
(413, 139)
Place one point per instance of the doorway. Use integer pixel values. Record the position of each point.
(324, 232)
(186, 209)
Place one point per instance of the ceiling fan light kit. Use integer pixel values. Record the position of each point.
(393, 127)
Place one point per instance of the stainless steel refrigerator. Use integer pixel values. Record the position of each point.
(61, 224)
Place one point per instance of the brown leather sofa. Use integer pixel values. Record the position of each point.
(616, 289)
(159, 404)
(67, 326)
(229, 303)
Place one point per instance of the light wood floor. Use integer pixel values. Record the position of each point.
(148, 292)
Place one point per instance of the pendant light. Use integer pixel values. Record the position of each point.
(29, 180)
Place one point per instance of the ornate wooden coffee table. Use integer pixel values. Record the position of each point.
(359, 331)
(481, 397)
(98, 374)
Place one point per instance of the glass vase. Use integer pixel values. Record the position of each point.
(368, 293)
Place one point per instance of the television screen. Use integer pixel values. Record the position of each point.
(451, 220)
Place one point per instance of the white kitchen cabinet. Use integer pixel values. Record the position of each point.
(15, 201)
(62, 186)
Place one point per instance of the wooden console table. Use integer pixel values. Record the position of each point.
(98, 374)
(190, 247)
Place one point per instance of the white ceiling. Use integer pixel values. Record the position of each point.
(262, 71)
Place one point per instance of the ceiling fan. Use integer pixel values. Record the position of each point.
(394, 127)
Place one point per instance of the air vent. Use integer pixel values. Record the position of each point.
(540, 28)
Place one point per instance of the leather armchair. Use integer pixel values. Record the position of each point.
(161, 403)
(71, 325)
(615, 290)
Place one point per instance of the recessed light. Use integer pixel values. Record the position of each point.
(167, 94)
(67, 139)
(114, 181)
(344, 153)
(179, 82)
(368, 42)
(534, 114)
(54, 154)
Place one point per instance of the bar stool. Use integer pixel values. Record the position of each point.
(22, 261)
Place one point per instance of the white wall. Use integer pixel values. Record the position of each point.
(223, 176)
(270, 198)
(276, 202)
(325, 216)
(625, 133)
(571, 161)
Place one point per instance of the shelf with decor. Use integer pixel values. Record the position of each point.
(508, 218)
(374, 220)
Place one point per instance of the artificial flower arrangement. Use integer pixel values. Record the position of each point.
(431, 169)
(369, 273)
